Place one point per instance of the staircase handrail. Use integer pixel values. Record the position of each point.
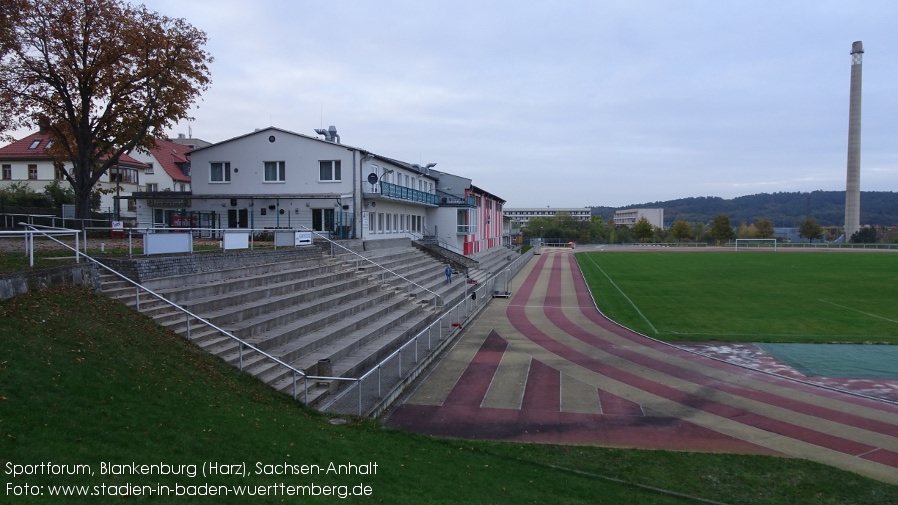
(190, 314)
(436, 297)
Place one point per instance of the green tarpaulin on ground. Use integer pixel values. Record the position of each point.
(851, 361)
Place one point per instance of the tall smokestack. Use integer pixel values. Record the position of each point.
(853, 184)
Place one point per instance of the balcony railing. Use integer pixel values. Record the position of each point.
(403, 193)
(454, 201)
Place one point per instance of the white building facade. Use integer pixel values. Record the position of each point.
(276, 179)
(524, 214)
(629, 217)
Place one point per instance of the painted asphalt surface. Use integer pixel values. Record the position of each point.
(545, 366)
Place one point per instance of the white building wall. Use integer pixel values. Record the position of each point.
(247, 155)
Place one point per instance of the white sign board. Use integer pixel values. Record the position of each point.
(235, 240)
(303, 238)
(167, 243)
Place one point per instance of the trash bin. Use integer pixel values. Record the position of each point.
(325, 367)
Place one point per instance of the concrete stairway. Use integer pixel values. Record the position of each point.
(302, 311)
(491, 262)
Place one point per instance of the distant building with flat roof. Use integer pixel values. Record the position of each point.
(629, 217)
(523, 215)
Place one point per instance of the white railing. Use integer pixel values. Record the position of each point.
(241, 344)
(371, 393)
(384, 270)
(28, 235)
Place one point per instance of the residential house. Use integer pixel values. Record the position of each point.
(168, 166)
(27, 160)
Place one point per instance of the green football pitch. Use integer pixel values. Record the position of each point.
(751, 296)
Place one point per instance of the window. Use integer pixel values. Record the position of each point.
(35, 143)
(275, 171)
(123, 175)
(32, 172)
(60, 172)
(153, 187)
(380, 222)
(149, 170)
(220, 171)
(7, 172)
(329, 171)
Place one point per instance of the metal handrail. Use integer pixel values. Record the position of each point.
(385, 269)
(189, 314)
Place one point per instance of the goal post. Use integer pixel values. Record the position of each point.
(756, 243)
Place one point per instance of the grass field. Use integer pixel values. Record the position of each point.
(809, 297)
(84, 380)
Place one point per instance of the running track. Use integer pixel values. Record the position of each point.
(545, 366)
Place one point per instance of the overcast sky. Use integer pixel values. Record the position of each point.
(566, 103)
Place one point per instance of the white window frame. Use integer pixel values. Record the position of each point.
(225, 177)
(280, 172)
(335, 168)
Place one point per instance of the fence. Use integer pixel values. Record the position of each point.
(371, 393)
(31, 230)
(9, 221)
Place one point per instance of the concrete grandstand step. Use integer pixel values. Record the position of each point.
(353, 360)
(396, 324)
(244, 305)
(297, 340)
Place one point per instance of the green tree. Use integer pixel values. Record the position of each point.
(102, 77)
(764, 228)
(20, 194)
(643, 229)
(597, 231)
(866, 235)
(58, 194)
(680, 230)
(810, 229)
(721, 229)
(747, 231)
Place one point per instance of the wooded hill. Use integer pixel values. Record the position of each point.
(784, 209)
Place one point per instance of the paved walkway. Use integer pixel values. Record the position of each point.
(544, 366)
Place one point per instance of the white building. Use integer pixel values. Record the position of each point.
(524, 214)
(27, 160)
(273, 178)
(629, 217)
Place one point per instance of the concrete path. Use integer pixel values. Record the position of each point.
(545, 366)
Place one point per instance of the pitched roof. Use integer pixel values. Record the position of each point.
(171, 156)
(34, 147)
